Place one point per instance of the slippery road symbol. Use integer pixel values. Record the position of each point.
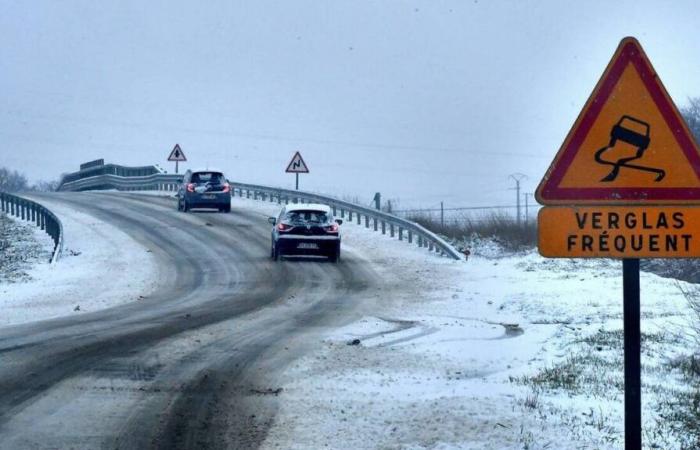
(623, 131)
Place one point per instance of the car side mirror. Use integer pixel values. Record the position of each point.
(339, 221)
(272, 220)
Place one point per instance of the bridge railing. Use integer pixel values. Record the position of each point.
(404, 230)
(31, 211)
(155, 182)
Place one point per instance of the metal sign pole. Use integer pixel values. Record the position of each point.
(176, 166)
(297, 174)
(633, 350)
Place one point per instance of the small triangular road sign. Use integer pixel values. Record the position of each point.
(629, 145)
(297, 165)
(177, 154)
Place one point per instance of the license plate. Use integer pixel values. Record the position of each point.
(208, 197)
(308, 246)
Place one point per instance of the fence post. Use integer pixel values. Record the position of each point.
(359, 222)
(375, 224)
(350, 216)
(400, 234)
(383, 227)
(391, 229)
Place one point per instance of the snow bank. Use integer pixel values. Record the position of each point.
(98, 259)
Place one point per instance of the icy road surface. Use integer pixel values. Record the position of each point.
(190, 364)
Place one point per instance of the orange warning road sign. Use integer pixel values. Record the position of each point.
(619, 231)
(629, 145)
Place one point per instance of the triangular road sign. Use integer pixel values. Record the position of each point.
(629, 145)
(297, 165)
(177, 154)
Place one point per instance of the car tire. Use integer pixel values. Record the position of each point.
(275, 253)
(335, 255)
(179, 205)
(185, 206)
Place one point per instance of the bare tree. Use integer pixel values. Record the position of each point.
(12, 181)
(44, 186)
(691, 114)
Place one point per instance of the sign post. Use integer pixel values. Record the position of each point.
(633, 353)
(297, 166)
(625, 184)
(177, 155)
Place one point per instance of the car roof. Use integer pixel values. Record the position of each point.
(206, 170)
(308, 207)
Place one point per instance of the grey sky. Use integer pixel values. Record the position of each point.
(423, 101)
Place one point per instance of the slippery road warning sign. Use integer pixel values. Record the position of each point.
(629, 145)
(297, 164)
(622, 186)
(177, 154)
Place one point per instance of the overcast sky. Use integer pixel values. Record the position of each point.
(423, 101)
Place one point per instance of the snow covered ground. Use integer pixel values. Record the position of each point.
(509, 352)
(94, 252)
(499, 352)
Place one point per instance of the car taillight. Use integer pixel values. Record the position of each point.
(190, 187)
(227, 187)
(333, 228)
(283, 227)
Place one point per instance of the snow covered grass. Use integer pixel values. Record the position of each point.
(94, 253)
(21, 246)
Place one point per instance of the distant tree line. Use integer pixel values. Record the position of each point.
(691, 114)
(14, 181)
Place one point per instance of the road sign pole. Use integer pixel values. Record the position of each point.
(633, 368)
(297, 181)
(176, 166)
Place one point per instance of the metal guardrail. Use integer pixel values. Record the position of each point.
(379, 220)
(155, 182)
(31, 211)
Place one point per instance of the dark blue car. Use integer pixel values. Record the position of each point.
(204, 189)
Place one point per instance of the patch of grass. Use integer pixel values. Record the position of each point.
(614, 340)
(582, 371)
(500, 227)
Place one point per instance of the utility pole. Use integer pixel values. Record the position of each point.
(527, 215)
(517, 177)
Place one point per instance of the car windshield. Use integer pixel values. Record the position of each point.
(208, 177)
(306, 217)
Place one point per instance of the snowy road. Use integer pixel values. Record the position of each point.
(195, 364)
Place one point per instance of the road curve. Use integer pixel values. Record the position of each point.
(192, 366)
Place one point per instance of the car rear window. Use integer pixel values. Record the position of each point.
(306, 217)
(208, 177)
